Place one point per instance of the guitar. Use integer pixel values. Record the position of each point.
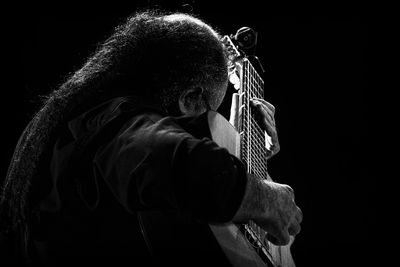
(246, 245)
(243, 245)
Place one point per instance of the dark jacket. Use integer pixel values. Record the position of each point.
(122, 159)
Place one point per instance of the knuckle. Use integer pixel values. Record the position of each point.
(285, 238)
(300, 214)
(297, 229)
(290, 189)
(294, 229)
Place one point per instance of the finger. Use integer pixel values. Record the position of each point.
(272, 239)
(264, 115)
(299, 215)
(280, 238)
(268, 117)
(261, 102)
(269, 105)
(265, 119)
(294, 229)
(269, 128)
(277, 235)
(267, 113)
(290, 190)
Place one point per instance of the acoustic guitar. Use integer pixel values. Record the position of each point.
(246, 245)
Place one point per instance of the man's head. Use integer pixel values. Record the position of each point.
(209, 92)
(177, 60)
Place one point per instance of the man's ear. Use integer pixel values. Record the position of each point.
(191, 101)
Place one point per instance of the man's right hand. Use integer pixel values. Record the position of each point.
(272, 207)
(280, 217)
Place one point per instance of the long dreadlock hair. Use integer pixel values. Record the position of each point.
(152, 54)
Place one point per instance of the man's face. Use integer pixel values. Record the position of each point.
(193, 101)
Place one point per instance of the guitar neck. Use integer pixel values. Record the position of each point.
(254, 148)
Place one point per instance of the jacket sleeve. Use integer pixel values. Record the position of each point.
(156, 165)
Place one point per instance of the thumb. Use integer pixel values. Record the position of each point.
(279, 238)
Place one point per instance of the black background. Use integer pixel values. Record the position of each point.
(317, 78)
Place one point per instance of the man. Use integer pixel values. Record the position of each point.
(127, 135)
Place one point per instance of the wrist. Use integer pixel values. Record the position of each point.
(253, 203)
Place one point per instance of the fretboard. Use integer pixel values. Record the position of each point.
(253, 139)
(254, 148)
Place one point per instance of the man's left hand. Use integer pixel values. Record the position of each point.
(265, 116)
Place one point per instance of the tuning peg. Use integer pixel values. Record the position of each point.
(246, 38)
(234, 79)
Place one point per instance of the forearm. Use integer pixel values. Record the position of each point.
(253, 202)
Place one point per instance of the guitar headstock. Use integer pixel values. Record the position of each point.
(242, 44)
(232, 50)
(234, 57)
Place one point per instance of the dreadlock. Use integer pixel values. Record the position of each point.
(151, 54)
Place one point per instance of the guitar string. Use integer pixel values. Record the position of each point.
(260, 165)
(253, 160)
(256, 144)
(256, 84)
(249, 155)
(258, 138)
(261, 232)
